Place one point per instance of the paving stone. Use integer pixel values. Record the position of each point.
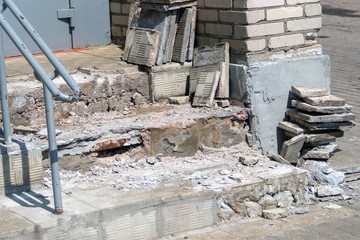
(320, 152)
(306, 92)
(145, 47)
(326, 110)
(182, 37)
(291, 148)
(329, 100)
(275, 213)
(291, 127)
(168, 83)
(195, 74)
(321, 126)
(206, 88)
(342, 117)
(209, 55)
(169, 47)
(312, 140)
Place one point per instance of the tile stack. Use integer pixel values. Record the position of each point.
(160, 32)
(316, 117)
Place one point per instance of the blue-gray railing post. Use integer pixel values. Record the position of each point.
(4, 94)
(53, 153)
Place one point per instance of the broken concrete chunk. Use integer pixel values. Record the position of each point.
(291, 148)
(329, 100)
(145, 47)
(178, 100)
(168, 83)
(223, 103)
(326, 110)
(182, 37)
(320, 152)
(321, 126)
(206, 88)
(306, 92)
(249, 160)
(326, 191)
(276, 157)
(343, 117)
(291, 127)
(275, 213)
(312, 140)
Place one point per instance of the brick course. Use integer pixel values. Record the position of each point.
(250, 26)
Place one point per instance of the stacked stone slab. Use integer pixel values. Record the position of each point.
(160, 32)
(316, 117)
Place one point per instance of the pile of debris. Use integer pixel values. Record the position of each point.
(161, 38)
(315, 120)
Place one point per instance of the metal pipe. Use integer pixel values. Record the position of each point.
(43, 77)
(4, 94)
(43, 46)
(53, 153)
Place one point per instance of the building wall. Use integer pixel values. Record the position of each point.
(250, 26)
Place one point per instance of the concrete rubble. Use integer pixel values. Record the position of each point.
(316, 116)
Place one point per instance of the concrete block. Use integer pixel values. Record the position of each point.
(286, 41)
(115, 7)
(304, 24)
(341, 117)
(291, 149)
(243, 17)
(303, 92)
(266, 85)
(303, 106)
(195, 74)
(119, 20)
(313, 9)
(145, 47)
(205, 91)
(20, 167)
(258, 3)
(324, 101)
(284, 13)
(266, 29)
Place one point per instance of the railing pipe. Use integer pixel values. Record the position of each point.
(4, 94)
(43, 46)
(43, 77)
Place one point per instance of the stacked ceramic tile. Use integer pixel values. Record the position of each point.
(316, 117)
(160, 31)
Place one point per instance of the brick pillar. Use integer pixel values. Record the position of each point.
(119, 12)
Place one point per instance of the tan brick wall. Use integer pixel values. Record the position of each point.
(250, 26)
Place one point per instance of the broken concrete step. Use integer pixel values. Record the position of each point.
(320, 152)
(325, 101)
(321, 126)
(325, 110)
(206, 89)
(291, 149)
(291, 127)
(307, 92)
(343, 117)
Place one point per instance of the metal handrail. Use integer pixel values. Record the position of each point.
(50, 89)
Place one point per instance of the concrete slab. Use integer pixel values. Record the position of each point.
(206, 89)
(329, 100)
(325, 110)
(291, 148)
(182, 37)
(340, 117)
(306, 92)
